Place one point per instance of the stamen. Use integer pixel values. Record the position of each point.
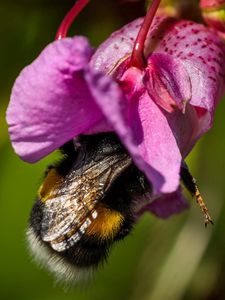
(191, 185)
(137, 57)
(69, 18)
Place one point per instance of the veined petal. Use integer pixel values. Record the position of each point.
(185, 127)
(202, 54)
(51, 102)
(119, 45)
(144, 130)
(167, 82)
(116, 48)
(155, 143)
(167, 204)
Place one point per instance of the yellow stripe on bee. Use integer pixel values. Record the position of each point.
(50, 185)
(107, 224)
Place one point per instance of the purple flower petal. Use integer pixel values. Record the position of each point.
(145, 132)
(116, 48)
(202, 53)
(167, 82)
(51, 102)
(120, 45)
(167, 205)
(155, 143)
(185, 127)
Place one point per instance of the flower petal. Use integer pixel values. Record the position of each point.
(120, 44)
(51, 102)
(185, 127)
(202, 53)
(116, 48)
(167, 82)
(144, 130)
(167, 205)
(155, 142)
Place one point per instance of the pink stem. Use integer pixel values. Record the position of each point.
(137, 57)
(69, 18)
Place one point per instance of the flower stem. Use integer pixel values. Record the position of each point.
(69, 18)
(137, 57)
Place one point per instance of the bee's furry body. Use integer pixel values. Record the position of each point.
(85, 204)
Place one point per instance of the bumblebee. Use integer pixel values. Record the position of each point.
(86, 203)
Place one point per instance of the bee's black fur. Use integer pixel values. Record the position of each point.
(36, 217)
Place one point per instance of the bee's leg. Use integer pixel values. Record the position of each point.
(190, 183)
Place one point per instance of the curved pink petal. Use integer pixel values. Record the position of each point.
(166, 205)
(145, 132)
(51, 102)
(167, 82)
(185, 127)
(155, 142)
(120, 45)
(202, 53)
(116, 48)
(199, 49)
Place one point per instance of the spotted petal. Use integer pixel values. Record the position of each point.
(51, 102)
(120, 45)
(202, 53)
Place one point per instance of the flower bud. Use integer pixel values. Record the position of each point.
(213, 12)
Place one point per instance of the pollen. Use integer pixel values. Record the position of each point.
(50, 185)
(107, 224)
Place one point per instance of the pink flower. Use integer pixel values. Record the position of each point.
(159, 105)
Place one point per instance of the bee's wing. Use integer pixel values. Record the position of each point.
(66, 217)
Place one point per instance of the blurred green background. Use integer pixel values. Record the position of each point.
(173, 259)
